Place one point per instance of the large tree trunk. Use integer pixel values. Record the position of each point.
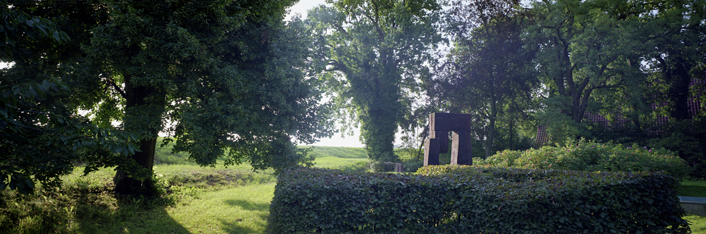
(679, 79)
(125, 185)
(380, 134)
(511, 130)
(143, 116)
(489, 139)
(380, 120)
(491, 124)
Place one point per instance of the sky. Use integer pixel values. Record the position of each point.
(303, 6)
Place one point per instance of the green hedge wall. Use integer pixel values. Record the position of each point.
(453, 199)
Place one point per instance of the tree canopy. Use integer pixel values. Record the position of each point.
(220, 77)
(625, 71)
(375, 52)
(41, 136)
(487, 71)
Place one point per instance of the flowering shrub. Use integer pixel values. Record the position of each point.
(505, 158)
(591, 156)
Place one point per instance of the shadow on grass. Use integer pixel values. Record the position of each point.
(101, 212)
(259, 210)
(245, 204)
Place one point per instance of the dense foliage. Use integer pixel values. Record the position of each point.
(591, 156)
(374, 53)
(627, 71)
(488, 73)
(452, 199)
(220, 77)
(41, 137)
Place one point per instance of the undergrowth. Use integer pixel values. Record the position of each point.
(86, 204)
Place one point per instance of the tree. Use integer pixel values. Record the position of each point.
(382, 48)
(41, 137)
(488, 72)
(228, 74)
(678, 31)
(586, 47)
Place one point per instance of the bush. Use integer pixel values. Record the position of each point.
(412, 165)
(687, 138)
(691, 148)
(382, 166)
(466, 199)
(505, 158)
(591, 156)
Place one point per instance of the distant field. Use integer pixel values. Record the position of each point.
(337, 152)
(344, 158)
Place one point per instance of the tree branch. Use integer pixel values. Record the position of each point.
(112, 83)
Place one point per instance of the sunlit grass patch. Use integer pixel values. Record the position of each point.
(354, 164)
(337, 152)
(697, 223)
(236, 210)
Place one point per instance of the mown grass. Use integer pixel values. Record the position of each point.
(337, 152)
(697, 223)
(235, 210)
(692, 188)
(195, 200)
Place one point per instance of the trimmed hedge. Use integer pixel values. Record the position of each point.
(591, 156)
(453, 199)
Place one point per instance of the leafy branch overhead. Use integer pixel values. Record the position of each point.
(229, 75)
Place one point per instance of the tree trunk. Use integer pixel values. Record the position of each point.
(489, 139)
(678, 93)
(491, 124)
(126, 185)
(143, 117)
(511, 130)
(379, 134)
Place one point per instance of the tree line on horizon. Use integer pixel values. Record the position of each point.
(238, 82)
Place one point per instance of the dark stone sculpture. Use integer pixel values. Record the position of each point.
(439, 126)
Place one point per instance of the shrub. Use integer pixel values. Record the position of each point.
(412, 165)
(466, 199)
(591, 156)
(382, 166)
(505, 158)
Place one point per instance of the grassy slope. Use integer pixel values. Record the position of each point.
(201, 200)
(345, 158)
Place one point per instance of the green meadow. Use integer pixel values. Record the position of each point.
(195, 199)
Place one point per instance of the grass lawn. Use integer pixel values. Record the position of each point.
(236, 210)
(697, 223)
(197, 200)
(692, 188)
